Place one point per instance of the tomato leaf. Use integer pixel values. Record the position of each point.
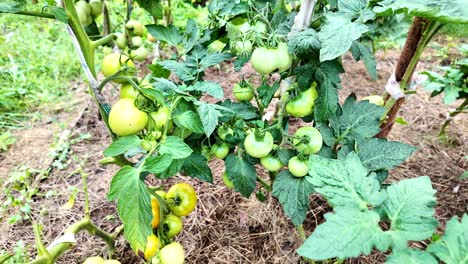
(122, 145)
(242, 174)
(209, 118)
(362, 52)
(327, 75)
(411, 255)
(293, 194)
(189, 120)
(244, 111)
(176, 147)
(452, 248)
(174, 168)
(169, 34)
(180, 69)
(12, 6)
(196, 166)
(212, 88)
(157, 164)
(345, 183)
(410, 208)
(347, 232)
(379, 153)
(304, 42)
(266, 93)
(133, 206)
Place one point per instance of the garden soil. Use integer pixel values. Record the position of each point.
(225, 227)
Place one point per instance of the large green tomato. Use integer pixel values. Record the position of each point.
(94, 260)
(271, 163)
(308, 140)
(152, 246)
(135, 27)
(242, 93)
(375, 99)
(303, 104)
(113, 63)
(181, 199)
(257, 146)
(172, 225)
(220, 150)
(161, 117)
(298, 167)
(96, 7)
(172, 254)
(127, 91)
(121, 40)
(125, 119)
(284, 59)
(264, 61)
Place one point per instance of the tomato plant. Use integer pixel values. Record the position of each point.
(342, 156)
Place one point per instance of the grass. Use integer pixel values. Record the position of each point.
(36, 60)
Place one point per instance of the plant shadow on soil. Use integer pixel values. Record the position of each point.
(225, 227)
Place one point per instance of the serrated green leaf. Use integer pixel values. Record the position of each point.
(153, 94)
(348, 232)
(122, 145)
(377, 153)
(214, 59)
(167, 85)
(304, 42)
(154, 7)
(11, 6)
(337, 35)
(410, 255)
(59, 13)
(448, 11)
(244, 111)
(327, 75)
(175, 147)
(362, 52)
(344, 183)
(212, 88)
(174, 168)
(133, 206)
(189, 120)
(410, 209)
(209, 118)
(180, 69)
(169, 34)
(157, 164)
(266, 93)
(196, 166)
(452, 248)
(242, 174)
(157, 71)
(293, 194)
(191, 36)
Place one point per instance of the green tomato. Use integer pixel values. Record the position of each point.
(135, 27)
(137, 41)
(284, 59)
(172, 225)
(206, 152)
(375, 99)
(113, 63)
(96, 7)
(125, 119)
(94, 260)
(227, 181)
(271, 163)
(244, 28)
(85, 18)
(224, 131)
(181, 199)
(140, 54)
(258, 147)
(264, 61)
(84, 6)
(160, 117)
(172, 254)
(303, 104)
(127, 91)
(308, 140)
(243, 47)
(106, 50)
(242, 93)
(298, 167)
(220, 150)
(260, 28)
(121, 40)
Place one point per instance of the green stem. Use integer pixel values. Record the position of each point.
(103, 40)
(457, 111)
(302, 235)
(5, 257)
(34, 14)
(41, 250)
(85, 190)
(264, 184)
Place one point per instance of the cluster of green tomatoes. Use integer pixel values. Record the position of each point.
(88, 11)
(135, 40)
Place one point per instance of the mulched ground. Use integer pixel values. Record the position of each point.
(225, 227)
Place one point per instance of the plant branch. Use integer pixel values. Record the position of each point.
(33, 13)
(460, 109)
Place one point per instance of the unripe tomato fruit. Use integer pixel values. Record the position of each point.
(135, 27)
(137, 41)
(284, 59)
(298, 167)
(85, 18)
(243, 47)
(375, 99)
(94, 260)
(242, 93)
(264, 61)
(220, 150)
(140, 54)
(206, 152)
(224, 131)
(127, 91)
(84, 6)
(113, 63)
(106, 50)
(303, 104)
(271, 163)
(172, 254)
(258, 147)
(125, 119)
(152, 246)
(227, 181)
(96, 7)
(172, 225)
(121, 40)
(161, 117)
(308, 140)
(260, 27)
(181, 199)
(156, 209)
